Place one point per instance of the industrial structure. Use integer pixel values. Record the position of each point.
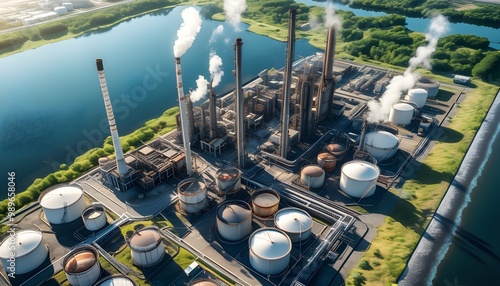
(82, 266)
(30, 251)
(62, 203)
(146, 247)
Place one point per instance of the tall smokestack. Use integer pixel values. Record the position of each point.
(184, 123)
(120, 158)
(325, 97)
(285, 109)
(212, 112)
(190, 118)
(240, 116)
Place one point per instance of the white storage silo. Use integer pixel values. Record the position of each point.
(417, 96)
(228, 180)
(82, 266)
(94, 217)
(192, 195)
(359, 178)
(60, 10)
(30, 251)
(269, 250)
(265, 202)
(63, 204)
(382, 145)
(234, 220)
(116, 280)
(327, 161)
(312, 176)
(146, 247)
(68, 6)
(401, 113)
(295, 222)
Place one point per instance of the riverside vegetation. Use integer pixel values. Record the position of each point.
(384, 41)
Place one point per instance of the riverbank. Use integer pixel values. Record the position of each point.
(422, 192)
(433, 244)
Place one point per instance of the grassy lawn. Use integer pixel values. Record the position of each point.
(399, 234)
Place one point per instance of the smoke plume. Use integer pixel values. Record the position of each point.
(215, 69)
(201, 90)
(331, 18)
(234, 9)
(191, 25)
(379, 110)
(216, 33)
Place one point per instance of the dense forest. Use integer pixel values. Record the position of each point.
(481, 14)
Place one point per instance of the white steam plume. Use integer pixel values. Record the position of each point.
(201, 90)
(191, 25)
(216, 33)
(215, 69)
(379, 110)
(234, 9)
(331, 18)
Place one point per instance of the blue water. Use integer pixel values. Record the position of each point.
(52, 108)
(421, 24)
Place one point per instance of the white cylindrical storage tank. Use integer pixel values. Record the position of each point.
(146, 247)
(265, 202)
(359, 178)
(295, 222)
(116, 280)
(312, 176)
(234, 220)
(60, 10)
(432, 87)
(68, 6)
(228, 180)
(82, 266)
(30, 251)
(401, 113)
(94, 217)
(63, 204)
(269, 250)
(417, 96)
(204, 282)
(382, 145)
(192, 195)
(327, 161)
(338, 150)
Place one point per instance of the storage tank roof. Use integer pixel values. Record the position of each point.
(403, 106)
(293, 220)
(228, 174)
(360, 170)
(25, 242)
(145, 239)
(117, 281)
(334, 147)
(61, 197)
(192, 187)
(80, 262)
(204, 283)
(266, 200)
(313, 171)
(269, 243)
(417, 91)
(381, 139)
(233, 212)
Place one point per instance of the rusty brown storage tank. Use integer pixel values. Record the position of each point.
(234, 220)
(82, 266)
(327, 161)
(228, 180)
(312, 176)
(338, 150)
(192, 195)
(265, 202)
(146, 247)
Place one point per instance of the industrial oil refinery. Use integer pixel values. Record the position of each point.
(256, 185)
